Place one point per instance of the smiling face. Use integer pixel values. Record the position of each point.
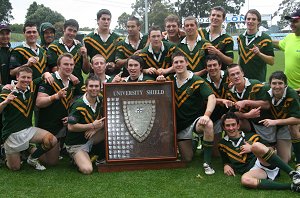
(66, 67)
(252, 22)
(172, 28)
(49, 35)
(70, 33)
(93, 88)
(278, 87)
(216, 18)
(213, 68)
(180, 64)
(295, 26)
(24, 78)
(4, 38)
(31, 35)
(231, 128)
(134, 69)
(190, 27)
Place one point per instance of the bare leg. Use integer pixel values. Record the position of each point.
(83, 161)
(13, 161)
(186, 150)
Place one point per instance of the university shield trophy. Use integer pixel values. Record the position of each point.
(140, 126)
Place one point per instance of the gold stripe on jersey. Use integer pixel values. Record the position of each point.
(180, 99)
(192, 60)
(225, 41)
(151, 63)
(40, 65)
(233, 154)
(87, 116)
(96, 45)
(282, 114)
(126, 51)
(65, 101)
(201, 33)
(246, 56)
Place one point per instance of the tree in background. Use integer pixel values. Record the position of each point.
(122, 23)
(201, 8)
(40, 14)
(5, 11)
(158, 10)
(286, 7)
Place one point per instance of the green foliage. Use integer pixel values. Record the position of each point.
(158, 10)
(32, 9)
(286, 7)
(122, 22)
(16, 37)
(17, 28)
(201, 8)
(5, 11)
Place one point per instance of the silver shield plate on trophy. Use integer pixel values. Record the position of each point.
(139, 117)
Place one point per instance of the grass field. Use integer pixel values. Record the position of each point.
(65, 181)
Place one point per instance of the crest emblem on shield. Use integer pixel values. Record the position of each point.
(139, 117)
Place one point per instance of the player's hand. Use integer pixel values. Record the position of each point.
(32, 60)
(160, 78)
(151, 70)
(228, 170)
(255, 50)
(89, 133)
(117, 78)
(246, 148)
(99, 124)
(8, 87)
(83, 51)
(74, 79)
(160, 71)
(212, 50)
(254, 113)
(65, 121)
(227, 103)
(240, 105)
(203, 120)
(62, 93)
(10, 98)
(137, 52)
(48, 78)
(110, 66)
(268, 122)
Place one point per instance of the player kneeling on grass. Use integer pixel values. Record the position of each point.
(243, 153)
(17, 108)
(85, 125)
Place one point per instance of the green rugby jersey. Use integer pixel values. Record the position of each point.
(230, 148)
(190, 99)
(4, 63)
(219, 92)
(223, 42)
(161, 60)
(195, 57)
(57, 48)
(253, 66)
(289, 106)
(21, 54)
(17, 115)
(50, 117)
(82, 113)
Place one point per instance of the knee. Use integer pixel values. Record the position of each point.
(248, 181)
(87, 170)
(49, 141)
(14, 167)
(258, 148)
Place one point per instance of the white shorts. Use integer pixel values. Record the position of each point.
(19, 141)
(187, 133)
(73, 149)
(273, 133)
(271, 173)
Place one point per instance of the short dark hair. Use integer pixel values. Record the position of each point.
(29, 24)
(255, 12)
(172, 18)
(279, 75)
(71, 22)
(221, 9)
(24, 68)
(190, 18)
(154, 28)
(212, 57)
(101, 12)
(137, 21)
(178, 53)
(92, 76)
(229, 115)
(63, 55)
(136, 58)
(232, 66)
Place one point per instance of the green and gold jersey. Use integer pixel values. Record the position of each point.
(253, 66)
(219, 92)
(50, 117)
(82, 113)
(21, 54)
(4, 63)
(229, 149)
(196, 56)
(17, 115)
(288, 106)
(57, 48)
(190, 99)
(224, 42)
(95, 45)
(160, 60)
(141, 78)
